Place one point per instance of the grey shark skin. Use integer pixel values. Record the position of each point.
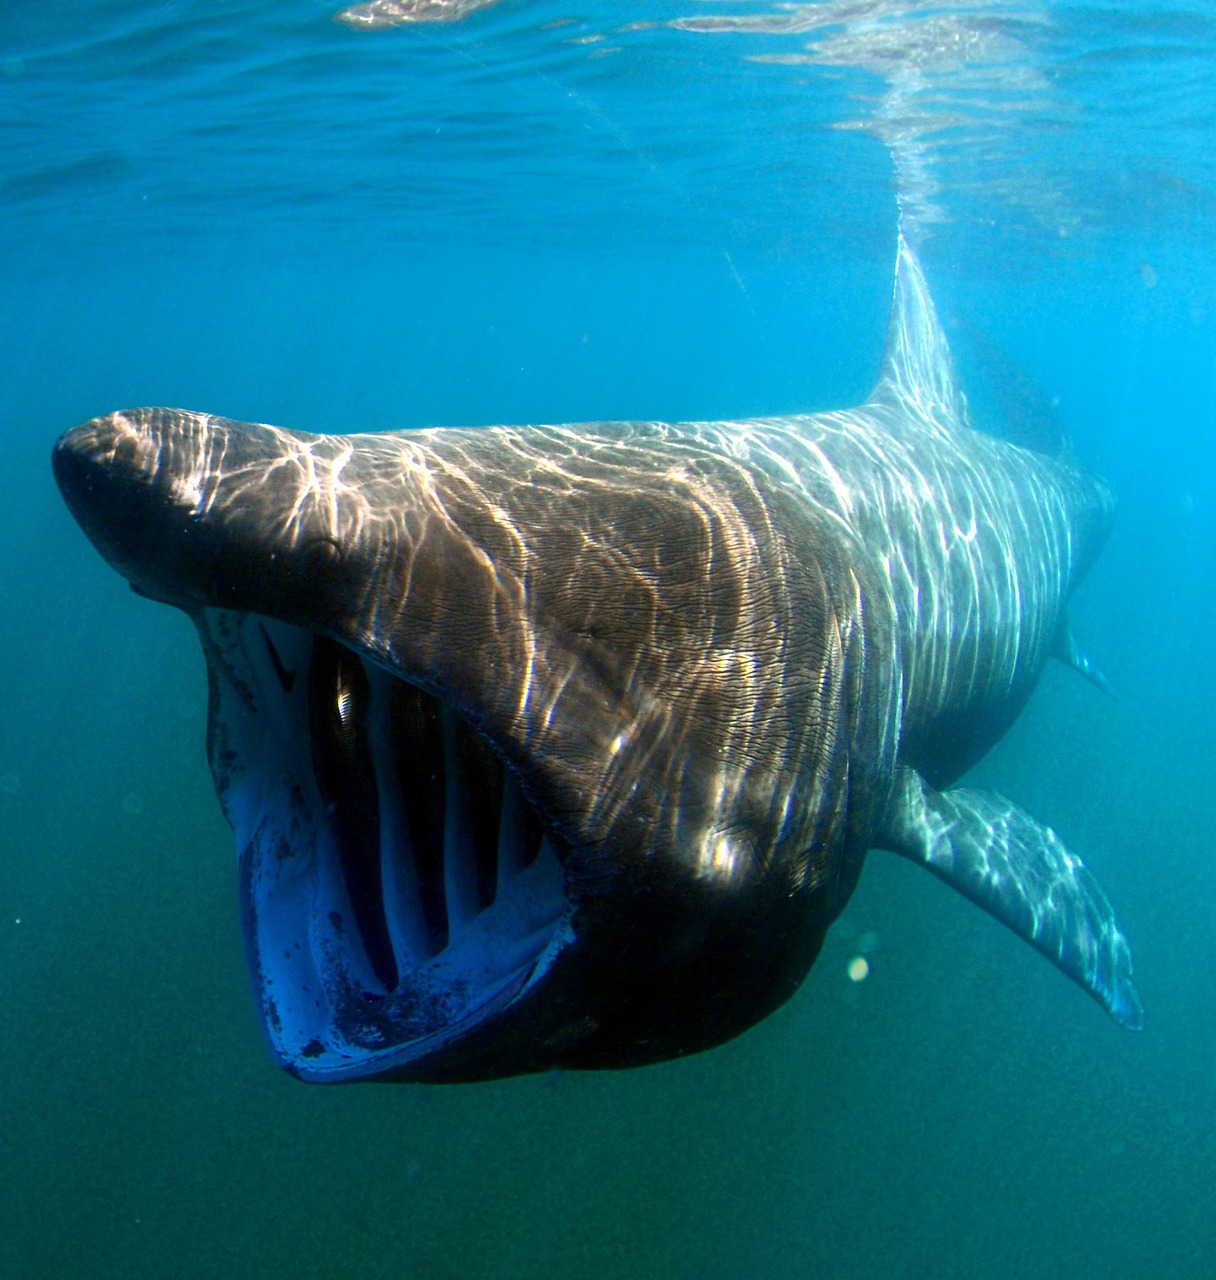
(564, 746)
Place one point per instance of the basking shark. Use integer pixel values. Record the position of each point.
(564, 745)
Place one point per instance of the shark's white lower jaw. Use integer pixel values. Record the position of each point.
(397, 889)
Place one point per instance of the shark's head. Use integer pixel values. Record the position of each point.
(536, 743)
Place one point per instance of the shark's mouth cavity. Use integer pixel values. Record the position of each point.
(398, 889)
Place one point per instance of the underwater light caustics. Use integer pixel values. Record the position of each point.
(377, 14)
(564, 746)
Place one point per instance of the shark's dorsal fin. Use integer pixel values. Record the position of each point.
(917, 368)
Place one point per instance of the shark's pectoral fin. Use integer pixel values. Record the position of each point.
(1019, 871)
(1067, 650)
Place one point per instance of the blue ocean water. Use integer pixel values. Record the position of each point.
(546, 212)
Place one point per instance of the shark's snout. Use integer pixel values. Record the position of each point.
(109, 472)
(199, 511)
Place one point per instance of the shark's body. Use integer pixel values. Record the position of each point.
(565, 745)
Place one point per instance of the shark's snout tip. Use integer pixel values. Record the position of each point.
(77, 461)
(66, 461)
(72, 448)
(111, 473)
(111, 447)
(197, 510)
(85, 455)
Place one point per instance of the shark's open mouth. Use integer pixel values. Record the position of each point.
(397, 887)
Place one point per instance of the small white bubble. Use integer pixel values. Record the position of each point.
(859, 969)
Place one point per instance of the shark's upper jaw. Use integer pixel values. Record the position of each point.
(397, 889)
